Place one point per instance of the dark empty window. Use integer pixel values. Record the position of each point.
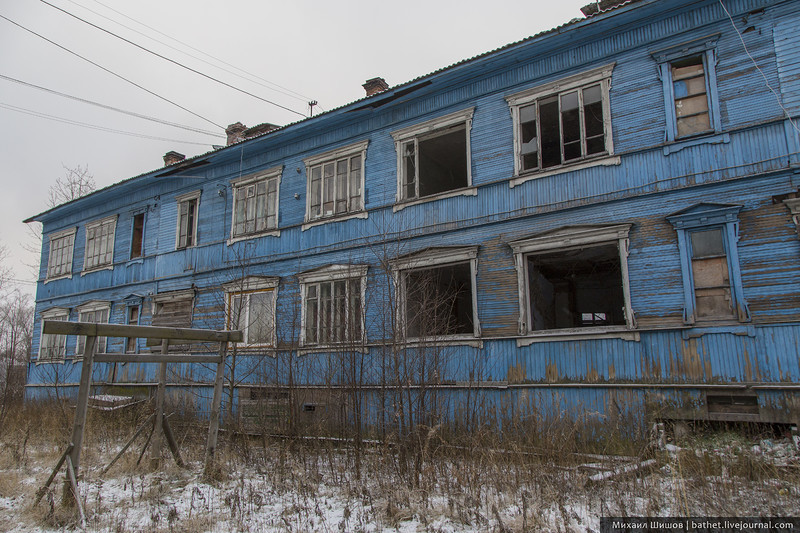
(438, 301)
(576, 288)
(137, 236)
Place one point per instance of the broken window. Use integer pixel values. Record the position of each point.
(59, 262)
(707, 236)
(576, 288)
(187, 220)
(564, 122)
(438, 301)
(575, 277)
(255, 203)
(434, 157)
(53, 347)
(99, 243)
(688, 74)
(137, 236)
(336, 182)
(333, 304)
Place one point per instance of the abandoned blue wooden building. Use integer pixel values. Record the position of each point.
(600, 221)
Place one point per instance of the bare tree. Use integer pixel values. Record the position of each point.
(16, 331)
(75, 182)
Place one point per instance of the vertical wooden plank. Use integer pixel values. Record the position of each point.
(213, 423)
(81, 409)
(155, 448)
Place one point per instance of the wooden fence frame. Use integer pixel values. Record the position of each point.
(155, 335)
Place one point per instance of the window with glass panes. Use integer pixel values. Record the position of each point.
(336, 187)
(255, 207)
(98, 315)
(59, 262)
(333, 311)
(253, 313)
(100, 243)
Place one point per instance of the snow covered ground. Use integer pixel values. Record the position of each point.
(266, 487)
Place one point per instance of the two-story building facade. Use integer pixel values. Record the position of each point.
(597, 221)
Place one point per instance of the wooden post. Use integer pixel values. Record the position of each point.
(213, 423)
(81, 409)
(155, 449)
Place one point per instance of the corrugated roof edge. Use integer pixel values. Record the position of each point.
(557, 29)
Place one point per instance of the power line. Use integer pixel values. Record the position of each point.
(104, 106)
(111, 72)
(176, 63)
(271, 85)
(92, 126)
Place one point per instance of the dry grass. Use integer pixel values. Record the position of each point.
(441, 482)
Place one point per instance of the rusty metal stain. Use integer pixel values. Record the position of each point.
(516, 373)
(551, 373)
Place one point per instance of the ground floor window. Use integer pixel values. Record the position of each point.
(333, 299)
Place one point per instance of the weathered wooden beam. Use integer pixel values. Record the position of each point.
(73, 481)
(154, 358)
(213, 423)
(82, 405)
(60, 327)
(172, 442)
(53, 474)
(155, 449)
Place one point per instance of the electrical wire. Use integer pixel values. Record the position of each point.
(766, 81)
(176, 63)
(267, 84)
(111, 108)
(111, 72)
(92, 126)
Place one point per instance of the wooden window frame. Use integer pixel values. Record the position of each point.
(251, 182)
(133, 255)
(92, 307)
(572, 238)
(66, 271)
(60, 341)
(193, 196)
(106, 245)
(702, 217)
(334, 157)
(245, 288)
(332, 274)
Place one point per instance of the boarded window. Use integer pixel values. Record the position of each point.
(712, 284)
(576, 288)
(174, 313)
(690, 93)
(438, 301)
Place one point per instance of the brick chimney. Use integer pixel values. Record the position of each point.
(375, 86)
(170, 158)
(235, 132)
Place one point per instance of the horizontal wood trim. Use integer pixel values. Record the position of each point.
(60, 327)
(154, 358)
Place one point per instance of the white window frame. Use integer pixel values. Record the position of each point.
(53, 341)
(334, 156)
(245, 288)
(428, 259)
(572, 238)
(91, 307)
(413, 133)
(599, 75)
(188, 197)
(329, 274)
(251, 183)
(706, 47)
(66, 271)
(99, 225)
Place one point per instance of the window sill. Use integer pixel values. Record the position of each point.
(97, 269)
(532, 175)
(678, 145)
(402, 204)
(270, 233)
(37, 362)
(743, 330)
(340, 218)
(556, 335)
(329, 348)
(455, 340)
(135, 261)
(56, 278)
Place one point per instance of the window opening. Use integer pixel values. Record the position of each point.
(133, 319)
(690, 94)
(712, 285)
(438, 301)
(137, 236)
(187, 222)
(435, 163)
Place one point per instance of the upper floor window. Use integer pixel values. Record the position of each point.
(255, 203)
(336, 182)
(575, 277)
(437, 297)
(188, 205)
(251, 305)
(100, 243)
(53, 347)
(688, 75)
(59, 260)
(137, 236)
(332, 311)
(97, 312)
(562, 123)
(712, 284)
(433, 158)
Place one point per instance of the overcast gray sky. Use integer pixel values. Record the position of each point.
(289, 52)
